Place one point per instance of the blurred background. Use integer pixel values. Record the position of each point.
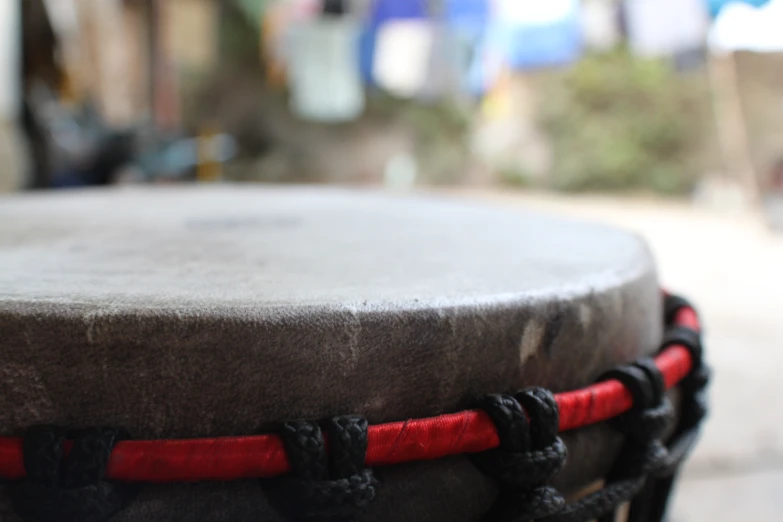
(671, 97)
(664, 117)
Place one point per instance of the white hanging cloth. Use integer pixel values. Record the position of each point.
(10, 59)
(600, 24)
(742, 27)
(323, 69)
(666, 27)
(402, 56)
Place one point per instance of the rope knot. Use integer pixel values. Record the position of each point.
(652, 413)
(530, 454)
(70, 489)
(333, 488)
(535, 504)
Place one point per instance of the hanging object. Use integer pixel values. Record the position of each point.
(10, 60)
(323, 68)
(402, 56)
(277, 19)
(381, 13)
(666, 27)
(537, 34)
(457, 28)
(334, 7)
(715, 6)
(389, 10)
(466, 22)
(600, 24)
(742, 27)
(11, 143)
(486, 68)
(442, 78)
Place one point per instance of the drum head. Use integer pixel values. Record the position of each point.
(184, 312)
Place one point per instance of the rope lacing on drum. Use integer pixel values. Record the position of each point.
(530, 453)
(651, 503)
(70, 489)
(644, 470)
(326, 489)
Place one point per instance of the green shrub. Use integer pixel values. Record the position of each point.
(619, 122)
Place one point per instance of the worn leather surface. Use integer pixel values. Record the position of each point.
(227, 310)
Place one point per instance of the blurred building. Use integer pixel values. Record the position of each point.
(12, 154)
(486, 91)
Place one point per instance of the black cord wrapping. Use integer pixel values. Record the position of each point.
(326, 489)
(70, 489)
(650, 506)
(671, 305)
(641, 452)
(644, 427)
(530, 452)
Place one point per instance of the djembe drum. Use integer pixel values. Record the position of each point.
(236, 353)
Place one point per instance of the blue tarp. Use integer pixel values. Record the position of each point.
(542, 46)
(385, 10)
(467, 13)
(467, 23)
(531, 45)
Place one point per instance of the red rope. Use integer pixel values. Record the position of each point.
(261, 456)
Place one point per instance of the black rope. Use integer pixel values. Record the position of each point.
(530, 454)
(651, 416)
(598, 504)
(671, 305)
(644, 427)
(70, 489)
(688, 338)
(326, 489)
(652, 502)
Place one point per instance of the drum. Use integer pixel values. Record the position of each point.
(236, 353)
